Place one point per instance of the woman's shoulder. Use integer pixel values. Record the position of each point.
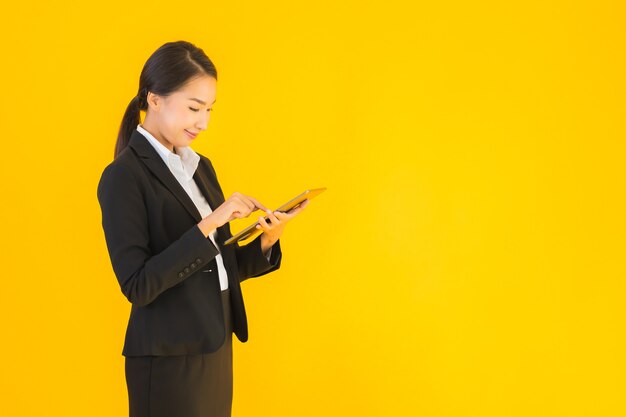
(120, 172)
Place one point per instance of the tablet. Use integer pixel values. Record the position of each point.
(293, 203)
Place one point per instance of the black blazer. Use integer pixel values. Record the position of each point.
(164, 265)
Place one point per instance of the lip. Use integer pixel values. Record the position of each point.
(191, 135)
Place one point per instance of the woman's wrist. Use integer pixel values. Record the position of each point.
(266, 243)
(207, 226)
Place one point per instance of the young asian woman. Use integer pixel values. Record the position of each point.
(165, 220)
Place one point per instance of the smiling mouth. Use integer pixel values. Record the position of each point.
(191, 135)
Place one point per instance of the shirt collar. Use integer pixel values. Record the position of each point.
(185, 155)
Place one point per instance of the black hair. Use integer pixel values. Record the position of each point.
(169, 68)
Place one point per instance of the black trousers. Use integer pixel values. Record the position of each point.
(183, 386)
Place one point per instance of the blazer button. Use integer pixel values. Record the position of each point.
(186, 270)
(180, 275)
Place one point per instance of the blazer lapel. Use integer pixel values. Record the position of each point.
(155, 163)
(212, 194)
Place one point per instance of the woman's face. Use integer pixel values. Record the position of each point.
(175, 119)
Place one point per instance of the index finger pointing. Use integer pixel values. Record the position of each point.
(257, 204)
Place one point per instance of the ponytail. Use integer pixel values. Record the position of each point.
(130, 121)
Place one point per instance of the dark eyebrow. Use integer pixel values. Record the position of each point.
(200, 101)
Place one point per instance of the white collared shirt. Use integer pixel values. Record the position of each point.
(183, 165)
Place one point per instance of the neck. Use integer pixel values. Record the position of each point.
(157, 135)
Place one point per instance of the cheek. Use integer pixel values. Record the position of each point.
(178, 120)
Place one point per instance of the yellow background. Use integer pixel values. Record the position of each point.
(466, 260)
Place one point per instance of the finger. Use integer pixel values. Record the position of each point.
(257, 204)
(293, 212)
(252, 203)
(284, 217)
(281, 215)
(262, 224)
(248, 201)
(240, 205)
(272, 217)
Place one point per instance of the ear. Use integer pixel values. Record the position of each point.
(153, 100)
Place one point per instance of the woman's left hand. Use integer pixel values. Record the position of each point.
(274, 228)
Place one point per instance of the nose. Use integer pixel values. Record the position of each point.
(203, 120)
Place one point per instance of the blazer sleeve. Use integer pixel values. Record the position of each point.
(253, 263)
(143, 275)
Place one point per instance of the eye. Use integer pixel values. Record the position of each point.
(192, 109)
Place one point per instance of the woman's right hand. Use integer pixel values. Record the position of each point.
(237, 206)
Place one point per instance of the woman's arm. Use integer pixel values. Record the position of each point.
(252, 262)
(142, 275)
